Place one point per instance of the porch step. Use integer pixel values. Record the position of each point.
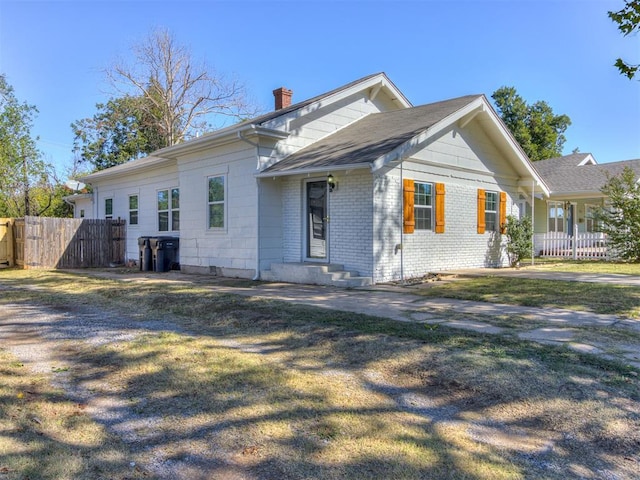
(315, 274)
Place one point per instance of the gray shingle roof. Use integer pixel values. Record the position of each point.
(564, 175)
(371, 137)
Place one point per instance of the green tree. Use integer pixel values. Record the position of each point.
(628, 20)
(22, 170)
(121, 130)
(519, 233)
(537, 129)
(620, 219)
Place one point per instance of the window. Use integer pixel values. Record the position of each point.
(556, 217)
(133, 209)
(423, 206)
(491, 211)
(216, 202)
(108, 208)
(169, 210)
(591, 223)
(82, 213)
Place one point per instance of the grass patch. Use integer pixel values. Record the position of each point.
(43, 434)
(585, 266)
(622, 300)
(265, 389)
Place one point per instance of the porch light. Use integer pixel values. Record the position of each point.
(331, 183)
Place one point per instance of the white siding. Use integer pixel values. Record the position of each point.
(145, 185)
(271, 222)
(231, 250)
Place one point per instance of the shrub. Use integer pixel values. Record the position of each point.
(519, 232)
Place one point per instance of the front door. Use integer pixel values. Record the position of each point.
(316, 221)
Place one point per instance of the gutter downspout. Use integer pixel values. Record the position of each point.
(258, 192)
(401, 223)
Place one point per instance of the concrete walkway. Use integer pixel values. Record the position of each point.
(581, 331)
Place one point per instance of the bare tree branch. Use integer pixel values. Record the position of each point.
(183, 97)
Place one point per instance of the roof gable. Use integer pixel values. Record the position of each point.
(579, 174)
(367, 140)
(382, 138)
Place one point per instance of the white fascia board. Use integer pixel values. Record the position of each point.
(588, 160)
(77, 196)
(506, 135)
(576, 195)
(215, 139)
(140, 164)
(379, 82)
(310, 171)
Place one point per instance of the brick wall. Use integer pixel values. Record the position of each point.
(424, 251)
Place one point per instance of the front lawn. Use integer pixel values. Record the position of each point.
(584, 266)
(620, 300)
(250, 388)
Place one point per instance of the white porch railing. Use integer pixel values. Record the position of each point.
(579, 246)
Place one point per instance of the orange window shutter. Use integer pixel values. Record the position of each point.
(439, 207)
(503, 212)
(481, 205)
(409, 220)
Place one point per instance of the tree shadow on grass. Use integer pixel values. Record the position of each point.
(246, 388)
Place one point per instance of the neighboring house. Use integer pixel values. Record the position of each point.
(575, 193)
(355, 179)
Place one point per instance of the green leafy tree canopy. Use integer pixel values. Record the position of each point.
(628, 20)
(537, 129)
(25, 186)
(620, 219)
(121, 130)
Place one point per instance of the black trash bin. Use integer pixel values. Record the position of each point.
(144, 250)
(164, 253)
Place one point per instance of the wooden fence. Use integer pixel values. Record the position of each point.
(44, 242)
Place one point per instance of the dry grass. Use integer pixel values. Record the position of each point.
(261, 389)
(601, 298)
(43, 434)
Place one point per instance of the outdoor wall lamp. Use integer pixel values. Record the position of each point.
(331, 183)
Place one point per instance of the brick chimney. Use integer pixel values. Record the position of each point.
(283, 97)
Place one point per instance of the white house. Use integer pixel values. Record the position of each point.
(351, 187)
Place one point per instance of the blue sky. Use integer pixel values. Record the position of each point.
(560, 51)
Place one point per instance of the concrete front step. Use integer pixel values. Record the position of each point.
(315, 274)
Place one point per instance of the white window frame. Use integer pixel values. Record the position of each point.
(136, 210)
(108, 201)
(590, 218)
(488, 213)
(172, 212)
(420, 207)
(222, 202)
(557, 221)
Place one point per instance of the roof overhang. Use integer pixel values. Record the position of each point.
(478, 109)
(315, 170)
(245, 131)
(578, 195)
(77, 196)
(134, 166)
